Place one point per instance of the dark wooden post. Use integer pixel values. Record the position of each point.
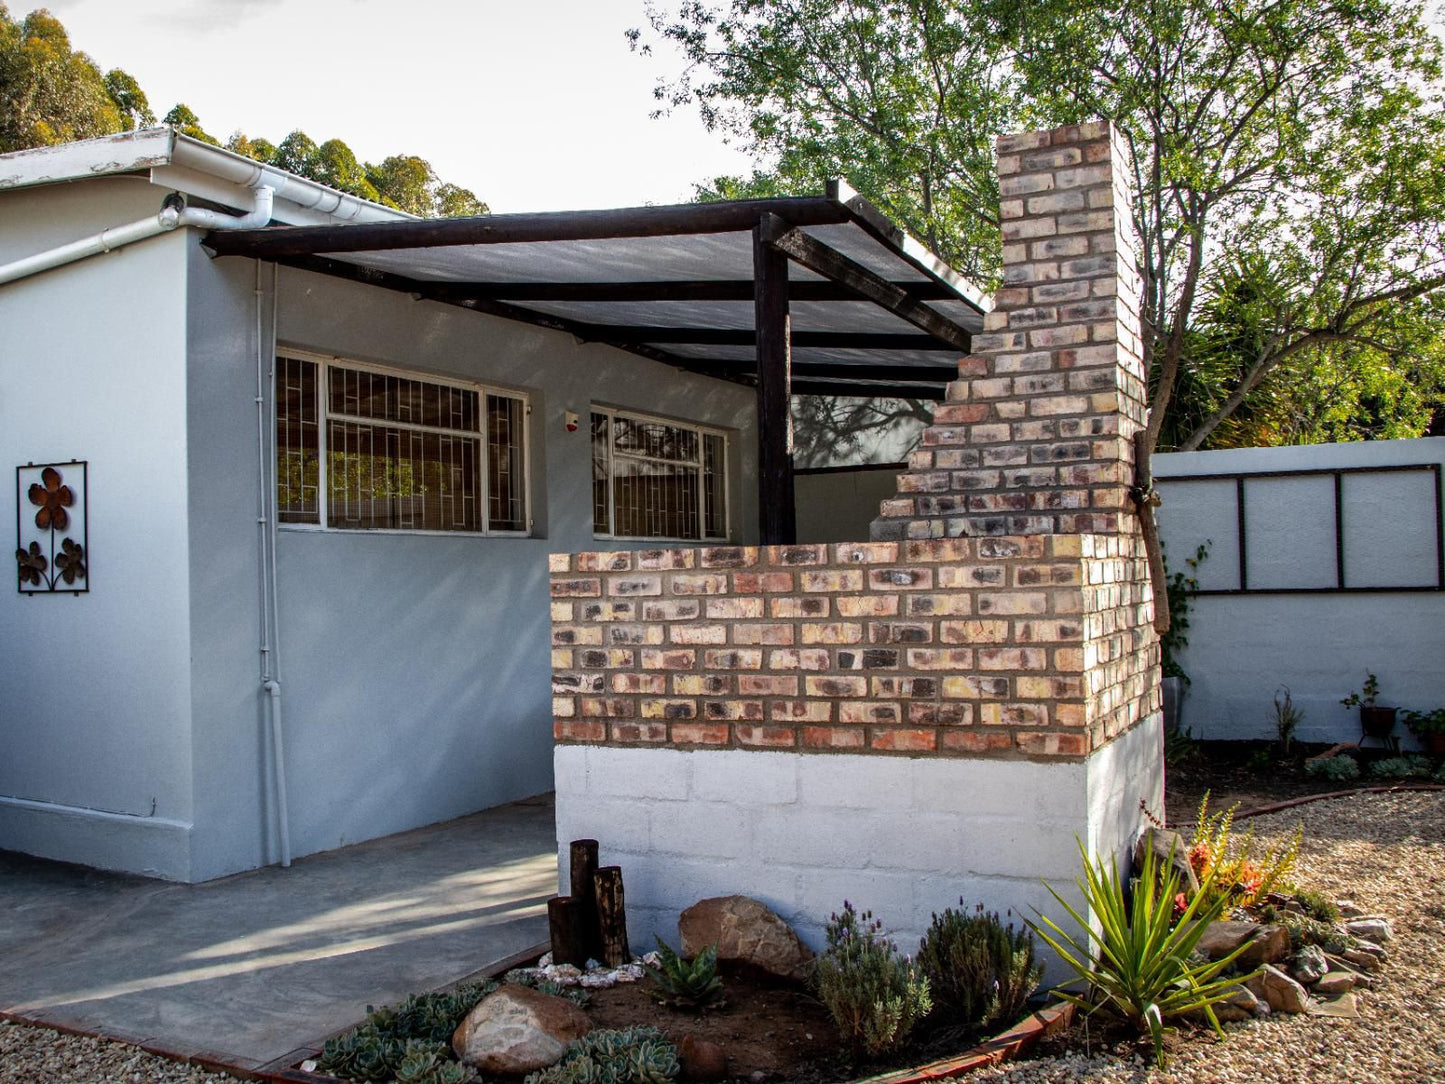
(564, 925)
(584, 891)
(613, 914)
(776, 513)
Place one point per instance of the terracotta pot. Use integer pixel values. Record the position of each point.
(1433, 743)
(1377, 722)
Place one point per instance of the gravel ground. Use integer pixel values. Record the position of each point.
(1384, 851)
(1387, 853)
(30, 1055)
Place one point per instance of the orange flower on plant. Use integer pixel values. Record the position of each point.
(1201, 857)
(52, 498)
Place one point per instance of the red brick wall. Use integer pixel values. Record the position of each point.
(1004, 646)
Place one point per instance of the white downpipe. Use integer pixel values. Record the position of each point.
(169, 218)
(266, 528)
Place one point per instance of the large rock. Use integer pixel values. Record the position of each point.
(745, 932)
(518, 1030)
(1370, 928)
(1281, 991)
(1263, 944)
(701, 1060)
(1332, 983)
(1240, 1005)
(1171, 852)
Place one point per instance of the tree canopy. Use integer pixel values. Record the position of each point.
(1289, 161)
(51, 93)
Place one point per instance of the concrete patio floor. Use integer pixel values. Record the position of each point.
(254, 970)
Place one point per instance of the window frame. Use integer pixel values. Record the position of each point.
(324, 364)
(702, 431)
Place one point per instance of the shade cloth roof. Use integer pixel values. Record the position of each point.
(872, 312)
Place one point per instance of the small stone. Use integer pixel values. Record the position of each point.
(1308, 965)
(1281, 991)
(1335, 982)
(1240, 1005)
(1344, 1007)
(1371, 928)
(546, 960)
(1373, 949)
(1348, 908)
(757, 1076)
(701, 1060)
(1361, 959)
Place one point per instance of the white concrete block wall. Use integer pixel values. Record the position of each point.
(903, 837)
(1244, 647)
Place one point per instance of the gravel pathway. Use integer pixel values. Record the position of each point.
(1387, 853)
(1384, 851)
(30, 1055)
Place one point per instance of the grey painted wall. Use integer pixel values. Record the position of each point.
(95, 739)
(415, 668)
(839, 506)
(1244, 647)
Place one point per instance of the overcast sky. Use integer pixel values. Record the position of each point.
(532, 104)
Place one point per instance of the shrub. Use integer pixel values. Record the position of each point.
(1230, 866)
(875, 997)
(1338, 769)
(1287, 718)
(1411, 767)
(1140, 963)
(980, 972)
(1309, 930)
(1317, 905)
(687, 984)
(638, 1055)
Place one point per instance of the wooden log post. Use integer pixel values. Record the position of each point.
(613, 916)
(584, 891)
(564, 924)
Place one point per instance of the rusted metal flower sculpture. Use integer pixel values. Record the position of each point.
(32, 565)
(52, 498)
(70, 562)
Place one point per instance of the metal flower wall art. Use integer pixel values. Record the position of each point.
(50, 528)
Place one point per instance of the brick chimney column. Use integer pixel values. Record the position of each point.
(1035, 435)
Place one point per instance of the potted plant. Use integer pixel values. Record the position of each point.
(1375, 721)
(1429, 728)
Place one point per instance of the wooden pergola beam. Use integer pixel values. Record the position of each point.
(739, 216)
(672, 290)
(777, 518)
(834, 266)
(859, 371)
(712, 336)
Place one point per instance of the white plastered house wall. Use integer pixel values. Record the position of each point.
(133, 724)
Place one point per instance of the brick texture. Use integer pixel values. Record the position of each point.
(1035, 435)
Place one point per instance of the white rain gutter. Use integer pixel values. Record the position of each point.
(174, 215)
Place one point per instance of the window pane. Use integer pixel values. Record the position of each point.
(385, 398)
(655, 440)
(298, 455)
(385, 477)
(655, 500)
(601, 507)
(714, 484)
(506, 464)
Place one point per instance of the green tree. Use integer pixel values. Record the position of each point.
(453, 201)
(128, 97)
(1297, 143)
(298, 154)
(184, 120)
(336, 165)
(262, 150)
(49, 92)
(405, 182)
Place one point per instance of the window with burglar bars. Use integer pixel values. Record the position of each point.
(396, 452)
(657, 479)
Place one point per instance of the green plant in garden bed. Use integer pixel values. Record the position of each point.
(407, 1035)
(1308, 930)
(687, 984)
(1339, 768)
(876, 997)
(639, 1055)
(1140, 963)
(1232, 872)
(1422, 723)
(980, 972)
(1411, 767)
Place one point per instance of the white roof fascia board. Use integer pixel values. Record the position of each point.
(128, 152)
(195, 168)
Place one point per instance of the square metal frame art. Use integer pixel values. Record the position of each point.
(52, 547)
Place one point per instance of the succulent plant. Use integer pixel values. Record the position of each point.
(638, 1055)
(687, 984)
